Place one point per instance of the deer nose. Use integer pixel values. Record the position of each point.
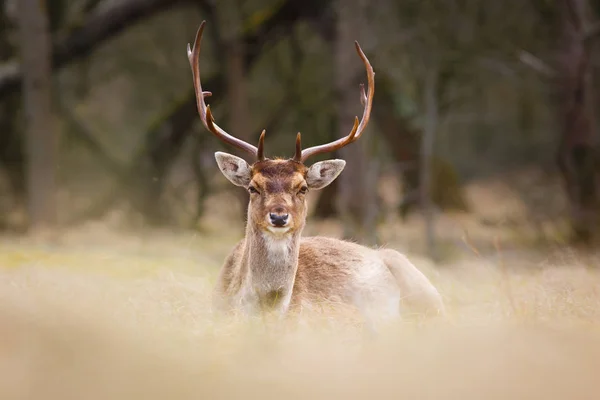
(278, 220)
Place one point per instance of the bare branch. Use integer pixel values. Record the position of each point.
(103, 26)
(82, 41)
(536, 64)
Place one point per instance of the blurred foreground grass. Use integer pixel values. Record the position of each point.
(105, 315)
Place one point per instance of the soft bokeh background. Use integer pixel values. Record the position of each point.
(480, 163)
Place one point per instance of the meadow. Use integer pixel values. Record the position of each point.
(97, 312)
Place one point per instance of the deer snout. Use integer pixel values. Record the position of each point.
(278, 220)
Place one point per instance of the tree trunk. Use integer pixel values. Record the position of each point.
(237, 97)
(238, 101)
(41, 137)
(577, 153)
(356, 191)
(11, 140)
(403, 138)
(89, 35)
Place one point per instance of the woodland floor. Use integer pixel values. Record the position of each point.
(99, 314)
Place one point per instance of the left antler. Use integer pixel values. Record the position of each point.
(204, 110)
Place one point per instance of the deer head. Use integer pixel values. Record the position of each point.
(278, 187)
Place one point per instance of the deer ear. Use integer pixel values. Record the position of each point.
(322, 173)
(234, 168)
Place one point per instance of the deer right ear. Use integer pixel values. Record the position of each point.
(234, 168)
(322, 173)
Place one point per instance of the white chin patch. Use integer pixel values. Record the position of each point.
(278, 230)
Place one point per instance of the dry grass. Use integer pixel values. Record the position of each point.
(100, 315)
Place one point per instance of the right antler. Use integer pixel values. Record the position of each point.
(357, 129)
(204, 110)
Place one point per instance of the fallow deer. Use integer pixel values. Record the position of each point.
(273, 267)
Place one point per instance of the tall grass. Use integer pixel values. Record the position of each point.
(128, 317)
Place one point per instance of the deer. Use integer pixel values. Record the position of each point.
(276, 269)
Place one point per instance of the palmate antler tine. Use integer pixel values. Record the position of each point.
(204, 110)
(366, 100)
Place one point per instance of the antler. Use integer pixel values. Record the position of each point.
(357, 129)
(204, 110)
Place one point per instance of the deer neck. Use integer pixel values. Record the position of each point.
(271, 264)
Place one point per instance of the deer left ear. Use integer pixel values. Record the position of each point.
(234, 168)
(322, 173)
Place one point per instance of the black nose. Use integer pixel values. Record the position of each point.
(278, 220)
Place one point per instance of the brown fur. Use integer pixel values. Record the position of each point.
(281, 271)
(278, 181)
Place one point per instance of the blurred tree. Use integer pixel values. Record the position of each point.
(577, 153)
(401, 127)
(83, 34)
(144, 184)
(11, 140)
(403, 136)
(167, 135)
(572, 28)
(357, 192)
(231, 23)
(488, 102)
(83, 38)
(41, 136)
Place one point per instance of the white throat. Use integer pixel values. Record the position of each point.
(278, 248)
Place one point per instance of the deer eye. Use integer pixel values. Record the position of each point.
(303, 190)
(253, 190)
